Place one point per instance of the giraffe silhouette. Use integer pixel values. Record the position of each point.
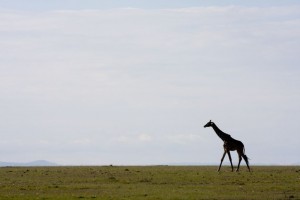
(230, 144)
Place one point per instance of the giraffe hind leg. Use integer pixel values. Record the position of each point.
(246, 160)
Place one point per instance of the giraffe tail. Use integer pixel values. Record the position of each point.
(246, 157)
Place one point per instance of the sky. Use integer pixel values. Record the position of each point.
(134, 82)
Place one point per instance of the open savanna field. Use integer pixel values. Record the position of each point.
(149, 182)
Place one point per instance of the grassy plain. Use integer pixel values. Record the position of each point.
(149, 182)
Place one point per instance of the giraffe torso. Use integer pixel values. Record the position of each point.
(231, 144)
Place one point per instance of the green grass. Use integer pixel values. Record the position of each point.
(150, 182)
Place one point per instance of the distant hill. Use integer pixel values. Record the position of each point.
(29, 164)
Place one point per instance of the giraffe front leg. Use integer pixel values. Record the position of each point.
(240, 158)
(222, 160)
(228, 152)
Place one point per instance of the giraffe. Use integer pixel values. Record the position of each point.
(230, 144)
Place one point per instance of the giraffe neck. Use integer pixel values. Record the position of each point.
(220, 133)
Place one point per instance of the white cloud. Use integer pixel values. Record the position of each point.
(185, 139)
(133, 139)
(145, 137)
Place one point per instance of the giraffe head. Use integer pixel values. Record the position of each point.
(209, 124)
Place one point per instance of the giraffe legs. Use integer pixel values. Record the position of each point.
(242, 155)
(240, 159)
(222, 160)
(246, 160)
(228, 152)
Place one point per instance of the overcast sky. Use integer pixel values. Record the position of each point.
(133, 83)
